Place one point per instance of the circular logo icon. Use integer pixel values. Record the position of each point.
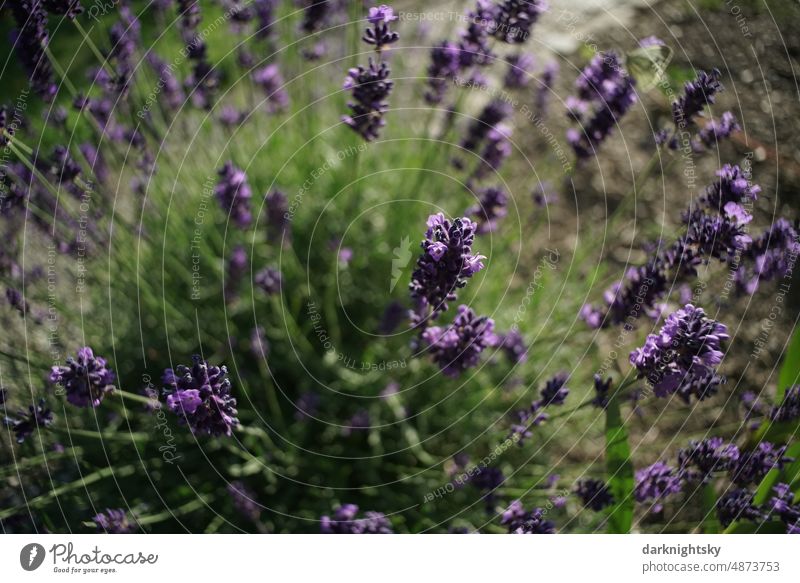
(31, 556)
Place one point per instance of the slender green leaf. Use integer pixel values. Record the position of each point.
(710, 522)
(790, 369)
(619, 469)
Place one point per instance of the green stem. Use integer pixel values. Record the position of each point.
(83, 482)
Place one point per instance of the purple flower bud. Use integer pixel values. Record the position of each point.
(682, 357)
(201, 397)
(114, 521)
(344, 521)
(26, 422)
(86, 379)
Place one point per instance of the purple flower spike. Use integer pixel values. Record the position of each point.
(445, 64)
(697, 94)
(520, 521)
(605, 93)
(752, 466)
(458, 347)
(114, 521)
(594, 494)
(491, 207)
(447, 261)
(683, 356)
(344, 521)
(655, 483)
(515, 19)
(518, 74)
(30, 40)
(234, 194)
(379, 35)
(270, 80)
(737, 504)
(86, 379)
(370, 88)
(201, 397)
(701, 459)
(26, 422)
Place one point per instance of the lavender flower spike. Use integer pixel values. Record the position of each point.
(379, 35)
(370, 88)
(682, 357)
(113, 521)
(447, 261)
(201, 397)
(458, 347)
(344, 521)
(655, 483)
(234, 194)
(26, 422)
(86, 379)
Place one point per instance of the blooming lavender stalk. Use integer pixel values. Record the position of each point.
(458, 346)
(114, 521)
(86, 378)
(682, 357)
(554, 392)
(782, 504)
(515, 19)
(715, 132)
(789, 408)
(30, 39)
(270, 80)
(168, 84)
(201, 397)
(495, 151)
(474, 41)
(379, 35)
(370, 87)
(447, 261)
(770, 257)
(345, 521)
(513, 344)
(234, 194)
(751, 466)
(655, 483)
(605, 93)
(495, 112)
(491, 207)
(700, 459)
(697, 94)
(737, 504)
(315, 15)
(594, 494)
(518, 74)
(715, 229)
(445, 64)
(520, 521)
(265, 14)
(26, 422)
